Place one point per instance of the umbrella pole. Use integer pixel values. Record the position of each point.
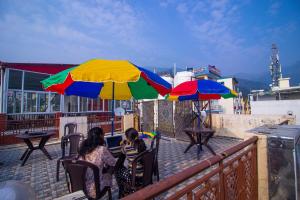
(210, 117)
(113, 109)
(198, 107)
(199, 114)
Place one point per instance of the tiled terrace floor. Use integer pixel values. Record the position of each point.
(39, 172)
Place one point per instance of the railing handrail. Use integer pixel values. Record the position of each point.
(160, 187)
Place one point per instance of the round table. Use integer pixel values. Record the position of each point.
(16, 190)
(199, 133)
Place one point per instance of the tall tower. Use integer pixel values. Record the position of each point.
(275, 67)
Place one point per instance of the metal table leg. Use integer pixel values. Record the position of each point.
(192, 141)
(24, 154)
(205, 143)
(28, 151)
(199, 143)
(42, 146)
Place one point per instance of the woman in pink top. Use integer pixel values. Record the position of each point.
(93, 150)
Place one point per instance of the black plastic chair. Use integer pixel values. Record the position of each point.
(70, 128)
(76, 172)
(155, 145)
(147, 159)
(74, 140)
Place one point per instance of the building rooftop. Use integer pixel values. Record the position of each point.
(37, 67)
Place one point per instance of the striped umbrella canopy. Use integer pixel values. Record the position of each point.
(108, 79)
(200, 90)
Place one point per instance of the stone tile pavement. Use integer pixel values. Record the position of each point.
(39, 172)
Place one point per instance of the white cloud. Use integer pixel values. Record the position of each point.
(165, 3)
(274, 8)
(214, 24)
(182, 8)
(80, 29)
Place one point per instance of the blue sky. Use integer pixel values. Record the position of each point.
(236, 36)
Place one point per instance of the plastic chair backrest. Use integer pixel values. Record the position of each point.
(76, 169)
(74, 140)
(147, 158)
(70, 128)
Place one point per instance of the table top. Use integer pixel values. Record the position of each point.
(199, 130)
(16, 190)
(73, 196)
(35, 135)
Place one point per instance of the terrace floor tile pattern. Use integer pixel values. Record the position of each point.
(39, 172)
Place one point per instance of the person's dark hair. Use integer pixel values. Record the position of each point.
(133, 136)
(95, 138)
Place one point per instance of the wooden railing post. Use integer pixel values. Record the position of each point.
(255, 177)
(222, 183)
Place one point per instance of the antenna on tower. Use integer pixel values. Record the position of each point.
(174, 70)
(275, 67)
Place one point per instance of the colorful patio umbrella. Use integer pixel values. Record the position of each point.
(200, 90)
(108, 79)
(145, 134)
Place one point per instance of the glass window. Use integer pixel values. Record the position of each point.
(32, 81)
(30, 102)
(117, 104)
(127, 105)
(83, 104)
(90, 104)
(42, 102)
(54, 102)
(14, 101)
(109, 105)
(71, 104)
(97, 104)
(15, 79)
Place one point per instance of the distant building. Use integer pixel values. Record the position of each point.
(22, 93)
(231, 105)
(208, 72)
(281, 98)
(183, 76)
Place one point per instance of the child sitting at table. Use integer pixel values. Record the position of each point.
(131, 148)
(93, 150)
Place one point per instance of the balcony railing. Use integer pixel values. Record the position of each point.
(229, 175)
(12, 125)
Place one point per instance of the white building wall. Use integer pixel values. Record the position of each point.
(181, 77)
(169, 80)
(80, 121)
(227, 104)
(282, 107)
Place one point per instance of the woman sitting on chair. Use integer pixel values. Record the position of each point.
(131, 148)
(93, 150)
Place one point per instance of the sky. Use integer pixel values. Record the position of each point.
(235, 36)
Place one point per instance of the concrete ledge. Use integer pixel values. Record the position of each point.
(238, 126)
